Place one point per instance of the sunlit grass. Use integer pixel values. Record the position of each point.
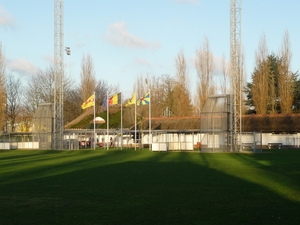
(144, 187)
(260, 169)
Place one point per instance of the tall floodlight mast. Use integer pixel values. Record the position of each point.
(236, 73)
(58, 74)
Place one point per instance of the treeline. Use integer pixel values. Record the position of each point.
(274, 87)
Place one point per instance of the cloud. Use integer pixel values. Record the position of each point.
(49, 58)
(137, 64)
(118, 35)
(195, 2)
(5, 18)
(143, 62)
(22, 66)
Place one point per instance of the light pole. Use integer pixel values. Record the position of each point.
(150, 138)
(68, 51)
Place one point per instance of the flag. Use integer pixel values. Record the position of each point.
(144, 100)
(115, 99)
(89, 102)
(131, 101)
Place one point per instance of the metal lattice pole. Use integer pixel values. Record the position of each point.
(58, 74)
(235, 70)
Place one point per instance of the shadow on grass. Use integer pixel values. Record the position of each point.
(142, 187)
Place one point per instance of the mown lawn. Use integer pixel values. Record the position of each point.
(144, 187)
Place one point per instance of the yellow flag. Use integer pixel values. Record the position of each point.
(131, 101)
(89, 102)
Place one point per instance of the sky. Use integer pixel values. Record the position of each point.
(132, 38)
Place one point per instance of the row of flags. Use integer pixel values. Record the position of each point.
(142, 101)
(116, 99)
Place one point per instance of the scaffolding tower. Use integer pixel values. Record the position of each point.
(58, 75)
(236, 73)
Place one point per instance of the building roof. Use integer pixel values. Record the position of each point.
(267, 123)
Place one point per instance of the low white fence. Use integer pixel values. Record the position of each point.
(172, 146)
(160, 147)
(4, 146)
(18, 145)
(181, 141)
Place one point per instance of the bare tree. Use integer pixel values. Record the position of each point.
(14, 99)
(2, 90)
(260, 87)
(224, 82)
(162, 99)
(140, 86)
(165, 95)
(169, 95)
(87, 76)
(39, 90)
(242, 83)
(24, 119)
(72, 104)
(205, 67)
(273, 84)
(102, 89)
(181, 94)
(285, 78)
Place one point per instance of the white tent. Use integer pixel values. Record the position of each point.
(99, 120)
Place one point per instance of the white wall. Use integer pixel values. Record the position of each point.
(181, 141)
(4, 146)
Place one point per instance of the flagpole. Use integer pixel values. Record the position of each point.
(121, 122)
(150, 138)
(107, 122)
(135, 124)
(94, 121)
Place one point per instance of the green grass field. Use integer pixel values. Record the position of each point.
(144, 187)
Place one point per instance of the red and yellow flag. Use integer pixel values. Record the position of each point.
(115, 99)
(89, 102)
